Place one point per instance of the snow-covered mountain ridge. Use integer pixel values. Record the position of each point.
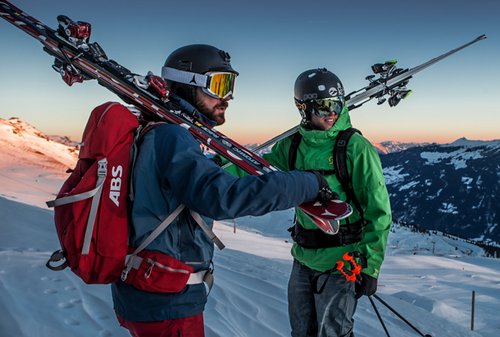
(391, 146)
(24, 150)
(19, 135)
(453, 187)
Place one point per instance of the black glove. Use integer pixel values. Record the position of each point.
(367, 286)
(325, 194)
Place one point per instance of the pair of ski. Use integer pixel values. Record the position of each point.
(76, 59)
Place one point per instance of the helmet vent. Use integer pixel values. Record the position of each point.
(225, 55)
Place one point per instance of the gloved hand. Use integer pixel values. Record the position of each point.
(325, 194)
(367, 286)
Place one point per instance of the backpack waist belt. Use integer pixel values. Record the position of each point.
(315, 238)
(201, 276)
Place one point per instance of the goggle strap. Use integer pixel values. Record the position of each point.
(185, 77)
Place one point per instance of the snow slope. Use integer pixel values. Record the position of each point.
(249, 297)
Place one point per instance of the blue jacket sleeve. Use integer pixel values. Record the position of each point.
(204, 187)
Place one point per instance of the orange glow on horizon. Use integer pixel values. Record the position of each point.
(258, 137)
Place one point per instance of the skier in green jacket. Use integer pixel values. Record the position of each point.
(321, 301)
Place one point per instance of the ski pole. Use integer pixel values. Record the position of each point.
(353, 275)
(378, 315)
(400, 316)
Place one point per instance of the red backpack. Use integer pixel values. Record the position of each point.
(92, 209)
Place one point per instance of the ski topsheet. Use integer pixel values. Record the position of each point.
(77, 60)
(391, 83)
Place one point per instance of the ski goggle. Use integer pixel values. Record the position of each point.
(326, 106)
(220, 85)
(217, 84)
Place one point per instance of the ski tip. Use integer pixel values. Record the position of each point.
(481, 37)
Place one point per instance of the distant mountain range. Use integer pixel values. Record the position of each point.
(453, 188)
(392, 146)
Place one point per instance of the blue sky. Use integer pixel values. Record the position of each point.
(271, 42)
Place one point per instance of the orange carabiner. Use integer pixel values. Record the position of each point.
(352, 274)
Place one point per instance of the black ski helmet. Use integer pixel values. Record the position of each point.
(195, 59)
(200, 59)
(315, 84)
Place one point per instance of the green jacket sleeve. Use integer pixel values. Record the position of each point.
(370, 189)
(278, 156)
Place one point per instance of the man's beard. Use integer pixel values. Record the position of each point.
(217, 116)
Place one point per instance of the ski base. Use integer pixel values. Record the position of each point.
(327, 218)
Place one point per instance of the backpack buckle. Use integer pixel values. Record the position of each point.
(102, 167)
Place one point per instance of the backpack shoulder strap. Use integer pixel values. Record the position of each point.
(140, 133)
(340, 165)
(134, 152)
(292, 152)
(340, 155)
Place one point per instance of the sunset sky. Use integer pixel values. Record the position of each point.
(271, 42)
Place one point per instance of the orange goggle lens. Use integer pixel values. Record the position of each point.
(220, 85)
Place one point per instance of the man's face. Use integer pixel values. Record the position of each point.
(323, 123)
(213, 108)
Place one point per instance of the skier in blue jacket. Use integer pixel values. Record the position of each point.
(171, 170)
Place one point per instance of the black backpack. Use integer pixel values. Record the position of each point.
(353, 231)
